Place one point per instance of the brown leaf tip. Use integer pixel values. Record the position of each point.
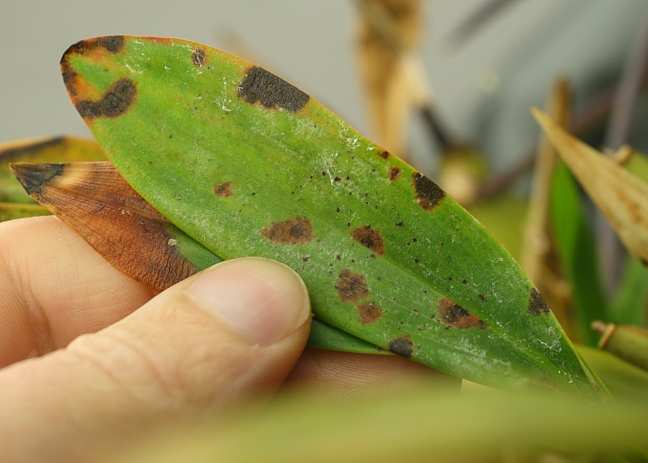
(401, 345)
(114, 103)
(34, 176)
(428, 193)
(394, 173)
(537, 304)
(350, 286)
(271, 91)
(199, 57)
(295, 231)
(224, 190)
(369, 313)
(454, 315)
(369, 238)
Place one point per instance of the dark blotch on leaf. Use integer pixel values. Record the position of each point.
(401, 345)
(224, 190)
(34, 176)
(271, 91)
(351, 287)
(537, 304)
(199, 57)
(295, 231)
(383, 154)
(428, 193)
(369, 312)
(115, 102)
(369, 238)
(112, 43)
(454, 315)
(394, 173)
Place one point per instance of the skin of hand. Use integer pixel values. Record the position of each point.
(91, 358)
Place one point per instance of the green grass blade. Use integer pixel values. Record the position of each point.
(631, 299)
(10, 211)
(247, 164)
(577, 253)
(420, 426)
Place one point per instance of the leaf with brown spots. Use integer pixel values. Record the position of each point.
(96, 202)
(308, 185)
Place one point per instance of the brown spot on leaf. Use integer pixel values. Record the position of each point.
(115, 102)
(383, 154)
(295, 231)
(369, 312)
(351, 287)
(224, 190)
(428, 193)
(454, 315)
(401, 345)
(369, 238)
(394, 173)
(537, 304)
(199, 57)
(95, 201)
(271, 91)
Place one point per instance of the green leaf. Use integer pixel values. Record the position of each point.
(577, 253)
(631, 299)
(10, 211)
(420, 426)
(247, 164)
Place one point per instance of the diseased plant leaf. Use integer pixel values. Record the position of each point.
(95, 201)
(246, 164)
(48, 149)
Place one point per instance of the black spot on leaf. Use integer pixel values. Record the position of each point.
(428, 193)
(401, 345)
(114, 103)
(271, 91)
(537, 304)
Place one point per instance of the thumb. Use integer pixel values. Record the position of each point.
(231, 331)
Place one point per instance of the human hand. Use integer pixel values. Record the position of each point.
(84, 370)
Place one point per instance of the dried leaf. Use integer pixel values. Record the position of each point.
(389, 37)
(622, 197)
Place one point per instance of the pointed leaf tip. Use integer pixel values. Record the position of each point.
(33, 176)
(620, 195)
